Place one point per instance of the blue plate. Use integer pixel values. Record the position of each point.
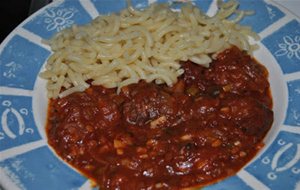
(27, 162)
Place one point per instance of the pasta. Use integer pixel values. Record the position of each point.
(120, 49)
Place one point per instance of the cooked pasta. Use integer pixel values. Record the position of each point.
(120, 49)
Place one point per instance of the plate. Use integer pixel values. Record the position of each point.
(26, 160)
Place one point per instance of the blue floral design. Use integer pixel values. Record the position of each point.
(290, 47)
(284, 44)
(59, 19)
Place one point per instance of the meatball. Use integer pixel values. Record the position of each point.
(248, 114)
(237, 73)
(147, 103)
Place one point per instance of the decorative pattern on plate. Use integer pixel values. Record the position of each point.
(176, 4)
(17, 123)
(21, 59)
(265, 14)
(13, 70)
(294, 104)
(279, 166)
(57, 17)
(45, 171)
(285, 45)
(108, 6)
(290, 47)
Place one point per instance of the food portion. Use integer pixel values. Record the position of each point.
(204, 128)
(121, 49)
(157, 99)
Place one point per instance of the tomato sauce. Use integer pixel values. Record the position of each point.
(203, 129)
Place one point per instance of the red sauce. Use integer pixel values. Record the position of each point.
(203, 129)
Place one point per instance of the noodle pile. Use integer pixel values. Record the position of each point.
(120, 49)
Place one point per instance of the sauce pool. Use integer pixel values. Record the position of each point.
(203, 129)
